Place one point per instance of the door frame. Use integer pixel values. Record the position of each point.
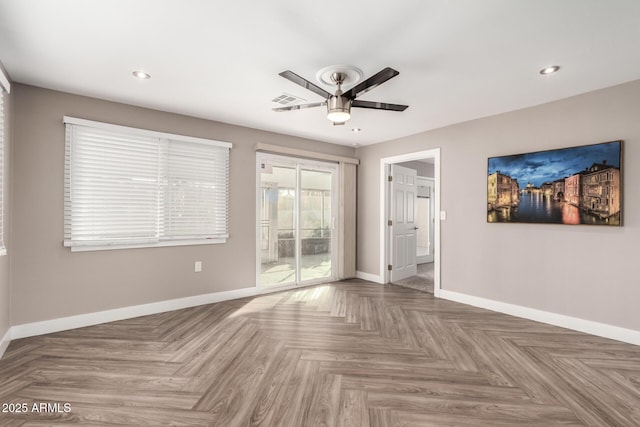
(299, 163)
(385, 201)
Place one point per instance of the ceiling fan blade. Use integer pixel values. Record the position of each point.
(291, 76)
(300, 106)
(378, 105)
(371, 83)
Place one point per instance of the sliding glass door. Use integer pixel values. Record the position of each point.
(315, 225)
(297, 205)
(278, 225)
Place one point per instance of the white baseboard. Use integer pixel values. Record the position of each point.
(370, 277)
(4, 342)
(72, 322)
(90, 319)
(587, 326)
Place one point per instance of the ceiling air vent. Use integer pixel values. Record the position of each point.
(287, 99)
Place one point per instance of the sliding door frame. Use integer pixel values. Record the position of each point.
(299, 164)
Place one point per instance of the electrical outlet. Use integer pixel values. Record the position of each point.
(197, 267)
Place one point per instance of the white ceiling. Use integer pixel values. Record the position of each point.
(458, 59)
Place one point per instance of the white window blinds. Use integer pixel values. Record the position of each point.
(195, 191)
(128, 187)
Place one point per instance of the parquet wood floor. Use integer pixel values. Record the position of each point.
(350, 353)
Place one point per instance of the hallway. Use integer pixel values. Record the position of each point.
(423, 281)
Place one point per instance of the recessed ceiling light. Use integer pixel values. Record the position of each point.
(356, 130)
(549, 70)
(141, 75)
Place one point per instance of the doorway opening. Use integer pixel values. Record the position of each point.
(410, 228)
(297, 204)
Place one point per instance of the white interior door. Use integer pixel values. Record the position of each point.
(403, 222)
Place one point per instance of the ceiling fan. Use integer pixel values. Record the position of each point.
(339, 105)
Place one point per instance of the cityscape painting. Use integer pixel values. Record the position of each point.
(577, 185)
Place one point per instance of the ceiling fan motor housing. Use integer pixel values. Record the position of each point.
(338, 108)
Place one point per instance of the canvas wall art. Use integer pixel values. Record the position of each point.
(576, 185)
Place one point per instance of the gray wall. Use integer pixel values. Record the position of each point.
(586, 272)
(5, 295)
(423, 168)
(48, 281)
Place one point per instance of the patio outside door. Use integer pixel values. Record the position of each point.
(296, 215)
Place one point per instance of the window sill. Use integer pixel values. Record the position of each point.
(89, 248)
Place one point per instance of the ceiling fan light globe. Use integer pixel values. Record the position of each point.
(338, 116)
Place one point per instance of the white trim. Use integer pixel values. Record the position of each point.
(87, 248)
(143, 132)
(292, 161)
(5, 341)
(370, 277)
(90, 319)
(296, 152)
(4, 82)
(258, 205)
(384, 165)
(587, 326)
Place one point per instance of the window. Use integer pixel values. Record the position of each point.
(4, 88)
(127, 187)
